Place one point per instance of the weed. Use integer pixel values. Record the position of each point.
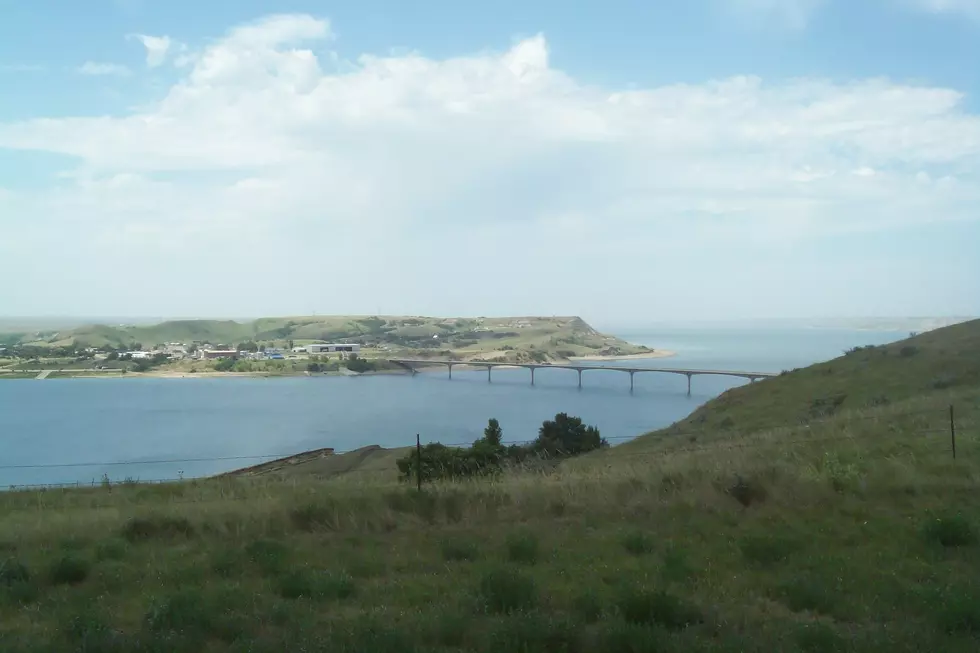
(640, 606)
(638, 543)
(69, 570)
(454, 505)
(12, 571)
(625, 637)
(315, 584)
(268, 555)
(908, 351)
(587, 606)
(507, 591)
(314, 517)
(676, 567)
(534, 632)
(159, 527)
(444, 628)
(456, 549)
(113, 549)
(950, 531)
(747, 491)
(810, 593)
(958, 610)
(767, 549)
(522, 548)
(819, 638)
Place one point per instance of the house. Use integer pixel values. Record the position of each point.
(211, 354)
(318, 348)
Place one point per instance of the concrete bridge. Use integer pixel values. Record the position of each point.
(413, 366)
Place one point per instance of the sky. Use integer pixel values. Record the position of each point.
(626, 161)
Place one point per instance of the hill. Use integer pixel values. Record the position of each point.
(507, 338)
(853, 529)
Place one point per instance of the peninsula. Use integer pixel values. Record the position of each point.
(302, 345)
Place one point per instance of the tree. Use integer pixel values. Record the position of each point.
(567, 436)
(249, 346)
(493, 434)
(289, 344)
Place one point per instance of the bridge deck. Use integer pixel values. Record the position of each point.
(562, 366)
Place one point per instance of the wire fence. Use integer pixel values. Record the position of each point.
(941, 426)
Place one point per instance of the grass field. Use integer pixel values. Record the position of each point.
(854, 530)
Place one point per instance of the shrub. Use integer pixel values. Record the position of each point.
(587, 606)
(809, 593)
(113, 549)
(460, 550)
(522, 548)
(317, 585)
(507, 591)
(630, 638)
(747, 491)
(13, 571)
(638, 543)
(767, 549)
(534, 632)
(69, 570)
(269, 555)
(157, 527)
(640, 606)
(958, 610)
(908, 351)
(313, 517)
(950, 531)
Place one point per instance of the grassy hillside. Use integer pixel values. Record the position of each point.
(857, 531)
(864, 378)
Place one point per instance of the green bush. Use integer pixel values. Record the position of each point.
(950, 531)
(317, 585)
(522, 548)
(640, 606)
(157, 527)
(638, 543)
(457, 549)
(69, 570)
(507, 591)
(767, 549)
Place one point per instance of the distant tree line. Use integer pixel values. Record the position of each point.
(563, 437)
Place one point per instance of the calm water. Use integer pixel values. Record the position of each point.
(71, 423)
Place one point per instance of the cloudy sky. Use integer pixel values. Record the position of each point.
(626, 161)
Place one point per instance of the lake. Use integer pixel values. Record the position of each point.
(75, 430)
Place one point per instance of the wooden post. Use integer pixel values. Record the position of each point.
(952, 430)
(418, 461)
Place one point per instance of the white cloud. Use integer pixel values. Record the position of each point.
(260, 158)
(792, 14)
(21, 67)
(103, 69)
(157, 48)
(969, 8)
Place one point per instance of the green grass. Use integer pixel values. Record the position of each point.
(860, 534)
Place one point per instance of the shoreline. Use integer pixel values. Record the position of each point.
(433, 366)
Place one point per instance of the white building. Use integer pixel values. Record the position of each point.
(318, 348)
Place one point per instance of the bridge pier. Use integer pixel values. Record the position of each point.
(631, 381)
(689, 384)
(489, 380)
(450, 366)
(532, 376)
(579, 378)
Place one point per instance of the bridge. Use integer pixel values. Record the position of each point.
(413, 366)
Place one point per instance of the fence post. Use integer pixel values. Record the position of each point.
(952, 430)
(418, 461)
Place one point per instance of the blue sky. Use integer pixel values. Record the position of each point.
(627, 161)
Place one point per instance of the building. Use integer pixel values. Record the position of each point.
(318, 348)
(210, 354)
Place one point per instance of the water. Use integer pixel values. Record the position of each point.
(158, 427)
